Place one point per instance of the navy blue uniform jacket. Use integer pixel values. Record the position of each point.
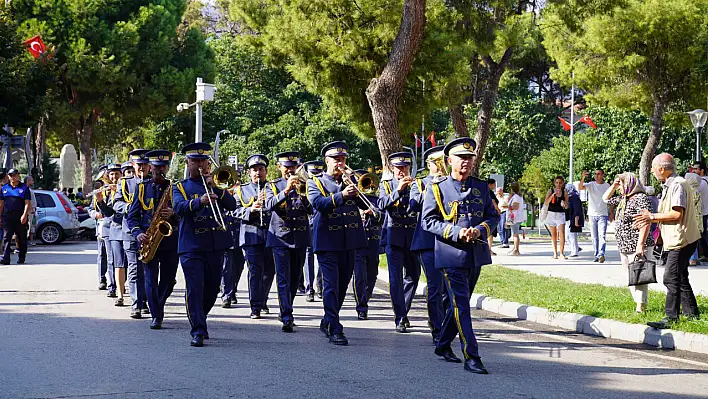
(289, 223)
(142, 210)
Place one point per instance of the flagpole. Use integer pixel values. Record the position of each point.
(422, 136)
(572, 124)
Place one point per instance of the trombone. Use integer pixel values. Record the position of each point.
(224, 177)
(361, 190)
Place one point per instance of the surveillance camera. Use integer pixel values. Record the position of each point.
(180, 108)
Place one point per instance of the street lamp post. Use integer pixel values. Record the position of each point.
(205, 92)
(698, 120)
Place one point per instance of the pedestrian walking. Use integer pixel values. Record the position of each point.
(695, 182)
(557, 203)
(575, 218)
(680, 233)
(515, 216)
(492, 188)
(631, 241)
(598, 212)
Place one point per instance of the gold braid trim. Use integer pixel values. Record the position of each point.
(389, 191)
(141, 197)
(452, 216)
(126, 194)
(240, 197)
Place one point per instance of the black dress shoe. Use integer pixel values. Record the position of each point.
(102, 286)
(448, 355)
(666, 322)
(145, 311)
(4, 262)
(234, 301)
(406, 322)
(156, 324)
(112, 294)
(324, 329)
(265, 310)
(288, 326)
(310, 297)
(197, 341)
(475, 365)
(319, 295)
(135, 314)
(21, 261)
(401, 328)
(362, 315)
(255, 314)
(226, 304)
(338, 339)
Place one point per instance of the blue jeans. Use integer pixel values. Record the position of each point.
(501, 228)
(599, 230)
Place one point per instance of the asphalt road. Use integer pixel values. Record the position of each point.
(62, 338)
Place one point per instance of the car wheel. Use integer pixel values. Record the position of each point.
(51, 233)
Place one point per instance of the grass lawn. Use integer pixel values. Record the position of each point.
(563, 295)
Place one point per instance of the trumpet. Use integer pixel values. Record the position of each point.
(302, 177)
(347, 174)
(439, 162)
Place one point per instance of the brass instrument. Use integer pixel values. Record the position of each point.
(439, 162)
(302, 177)
(225, 177)
(368, 183)
(159, 229)
(347, 174)
(222, 178)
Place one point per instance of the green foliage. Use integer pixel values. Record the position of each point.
(49, 177)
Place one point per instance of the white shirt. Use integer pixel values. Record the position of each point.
(596, 206)
(703, 189)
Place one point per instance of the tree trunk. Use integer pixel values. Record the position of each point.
(384, 92)
(489, 100)
(653, 140)
(84, 133)
(40, 144)
(459, 122)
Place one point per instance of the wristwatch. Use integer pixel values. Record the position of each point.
(651, 216)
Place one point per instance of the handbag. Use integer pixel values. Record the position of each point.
(642, 271)
(543, 215)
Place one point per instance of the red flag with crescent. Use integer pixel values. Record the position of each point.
(35, 46)
(566, 125)
(586, 120)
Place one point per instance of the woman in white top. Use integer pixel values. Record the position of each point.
(515, 216)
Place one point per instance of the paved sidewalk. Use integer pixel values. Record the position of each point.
(537, 257)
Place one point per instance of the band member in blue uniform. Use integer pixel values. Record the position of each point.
(250, 203)
(366, 268)
(202, 239)
(289, 231)
(400, 223)
(105, 258)
(313, 275)
(459, 211)
(233, 263)
(423, 245)
(15, 207)
(112, 230)
(337, 234)
(123, 199)
(161, 270)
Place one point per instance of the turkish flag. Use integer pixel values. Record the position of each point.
(586, 120)
(35, 46)
(417, 140)
(566, 125)
(432, 138)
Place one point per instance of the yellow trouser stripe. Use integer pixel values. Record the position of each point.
(457, 317)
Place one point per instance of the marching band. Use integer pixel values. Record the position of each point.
(320, 216)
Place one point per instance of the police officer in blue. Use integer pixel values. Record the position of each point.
(423, 245)
(15, 207)
(139, 164)
(160, 271)
(233, 262)
(289, 231)
(336, 234)
(366, 268)
(399, 226)
(113, 231)
(202, 239)
(459, 211)
(314, 168)
(255, 218)
(105, 258)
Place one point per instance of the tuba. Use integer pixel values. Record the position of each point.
(159, 229)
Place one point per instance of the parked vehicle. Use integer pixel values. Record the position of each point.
(57, 217)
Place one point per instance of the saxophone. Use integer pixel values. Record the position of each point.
(159, 228)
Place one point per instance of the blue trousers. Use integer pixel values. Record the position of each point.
(160, 275)
(402, 261)
(598, 231)
(366, 269)
(202, 274)
(118, 254)
(309, 271)
(136, 275)
(261, 271)
(105, 263)
(504, 233)
(459, 313)
(288, 267)
(231, 273)
(436, 299)
(337, 268)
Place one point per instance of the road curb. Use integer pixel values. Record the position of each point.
(589, 325)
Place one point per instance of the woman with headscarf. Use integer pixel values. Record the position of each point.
(575, 218)
(631, 241)
(695, 181)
